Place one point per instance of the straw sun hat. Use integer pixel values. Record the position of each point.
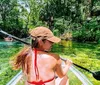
(44, 32)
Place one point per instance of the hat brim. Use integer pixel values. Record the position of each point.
(54, 39)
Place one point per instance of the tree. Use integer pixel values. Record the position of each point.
(5, 7)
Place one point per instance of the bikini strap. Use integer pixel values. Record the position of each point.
(48, 80)
(35, 64)
(40, 82)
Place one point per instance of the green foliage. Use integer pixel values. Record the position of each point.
(65, 15)
(73, 15)
(60, 26)
(10, 20)
(89, 32)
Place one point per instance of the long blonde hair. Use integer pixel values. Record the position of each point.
(18, 61)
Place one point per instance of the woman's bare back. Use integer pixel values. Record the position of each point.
(46, 63)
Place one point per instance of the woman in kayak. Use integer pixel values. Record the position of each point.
(38, 64)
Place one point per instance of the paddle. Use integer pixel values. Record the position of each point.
(16, 38)
(96, 75)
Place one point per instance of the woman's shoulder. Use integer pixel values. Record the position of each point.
(56, 56)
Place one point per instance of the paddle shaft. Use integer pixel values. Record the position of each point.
(16, 38)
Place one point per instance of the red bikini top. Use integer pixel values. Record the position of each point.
(37, 72)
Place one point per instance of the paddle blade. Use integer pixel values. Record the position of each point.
(96, 75)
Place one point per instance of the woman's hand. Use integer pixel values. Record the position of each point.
(68, 62)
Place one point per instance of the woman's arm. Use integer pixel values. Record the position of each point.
(61, 72)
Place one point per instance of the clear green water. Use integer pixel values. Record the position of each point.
(7, 49)
(83, 54)
(86, 55)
